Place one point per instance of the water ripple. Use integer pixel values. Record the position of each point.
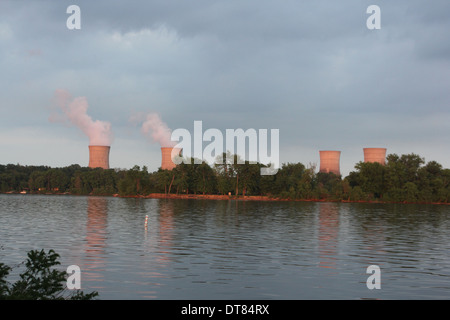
(232, 249)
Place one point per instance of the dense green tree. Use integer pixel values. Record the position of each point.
(134, 182)
(36, 180)
(329, 186)
(40, 280)
(402, 178)
(249, 178)
(225, 173)
(410, 192)
(357, 194)
(370, 177)
(204, 179)
(183, 176)
(288, 178)
(162, 180)
(430, 181)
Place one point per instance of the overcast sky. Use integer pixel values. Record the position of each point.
(311, 69)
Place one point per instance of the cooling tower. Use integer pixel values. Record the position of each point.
(375, 155)
(166, 160)
(329, 161)
(99, 157)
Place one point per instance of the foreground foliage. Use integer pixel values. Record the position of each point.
(39, 281)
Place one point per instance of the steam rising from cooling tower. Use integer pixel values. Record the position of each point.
(155, 130)
(75, 112)
(99, 132)
(375, 155)
(329, 161)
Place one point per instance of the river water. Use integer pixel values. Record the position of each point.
(215, 249)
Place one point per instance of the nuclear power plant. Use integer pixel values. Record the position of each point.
(99, 157)
(329, 162)
(166, 157)
(375, 155)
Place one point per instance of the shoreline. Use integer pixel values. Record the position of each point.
(225, 197)
(265, 198)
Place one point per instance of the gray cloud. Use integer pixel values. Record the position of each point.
(310, 68)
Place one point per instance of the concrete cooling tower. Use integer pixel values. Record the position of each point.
(329, 162)
(99, 157)
(166, 160)
(375, 155)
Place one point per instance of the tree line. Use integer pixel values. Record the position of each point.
(405, 178)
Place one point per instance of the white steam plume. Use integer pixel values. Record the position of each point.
(154, 129)
(75, 112)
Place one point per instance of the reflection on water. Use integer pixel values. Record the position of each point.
(165, 229)
(96, 237)
(328, 234)
(195, 249)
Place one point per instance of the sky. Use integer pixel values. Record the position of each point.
(312, 69)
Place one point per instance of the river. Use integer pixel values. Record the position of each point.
(228, 249)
